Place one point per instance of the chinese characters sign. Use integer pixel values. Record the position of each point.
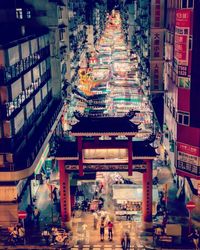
(157, 43)
(187, 158)
(157, 37)
(99, 167)
(183, 18)
(156, 71)
(182, 33)
(181, 48)
(157, 10)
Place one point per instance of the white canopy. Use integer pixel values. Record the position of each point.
(131, 192)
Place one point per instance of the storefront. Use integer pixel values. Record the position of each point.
(128, 200)
(42, 170)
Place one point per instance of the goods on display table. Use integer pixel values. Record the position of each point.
(129, 201)
(94, 205)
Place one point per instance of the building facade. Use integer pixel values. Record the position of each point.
(181, 76)
(30, 103)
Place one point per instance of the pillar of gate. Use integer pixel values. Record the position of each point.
(80, 155)
(130, 156)
(65, 202)
(147, 193)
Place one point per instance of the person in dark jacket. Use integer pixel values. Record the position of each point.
(102, 230)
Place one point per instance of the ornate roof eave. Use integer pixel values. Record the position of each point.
(150, 139)
(78, 115)
(103, 133)
(143, 157)
(131, 114)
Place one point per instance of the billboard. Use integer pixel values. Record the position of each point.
(187, 158)
(157, 16)
(182, 34)
(156, 75)
(157, 41)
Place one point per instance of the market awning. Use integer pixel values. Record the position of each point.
(131, 192)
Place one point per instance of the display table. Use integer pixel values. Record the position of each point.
(124, 212)
(127, 215)
(165, 240)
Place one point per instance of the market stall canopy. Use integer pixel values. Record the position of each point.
(130, 192)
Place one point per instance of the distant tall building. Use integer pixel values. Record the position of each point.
(182, 102)
(30, 102)
(147, 23)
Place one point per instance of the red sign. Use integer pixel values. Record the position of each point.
(183, 18)
(190, 205)
(188, 149)
(22, 214)
(181, 44)
(198, 189)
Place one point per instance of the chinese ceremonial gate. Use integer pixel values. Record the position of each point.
(136, 156)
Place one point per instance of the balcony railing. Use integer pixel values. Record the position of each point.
(25, 95)
(34, 143)
(12, 72)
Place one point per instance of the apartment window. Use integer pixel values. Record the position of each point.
(190, 3)
(28, 14)
(19, 14)
(183, 118)
(184, 3)
(174, 112)
(61, 34)
(190, 43)
(60, 13)
(187, 3)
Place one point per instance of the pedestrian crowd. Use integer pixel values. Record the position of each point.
(16, 234)
(102, 227)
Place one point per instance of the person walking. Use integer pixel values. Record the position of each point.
(29, 211)
(36, 214)
(195, 238)
(102, 231)
(14, 236)
(110, 231)
(21, 233)
(165, 219)
(46, 236)
(95, 220)
(123, 242)
(128, 241)
(55, 195)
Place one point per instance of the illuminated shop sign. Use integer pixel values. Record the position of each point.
(182, 46)
(182, 33)
(183, 18)
(184, 82)
(182, 70)
(157, 10)
(157, 37)
(188, 149)
(187, 158)
(156, 71)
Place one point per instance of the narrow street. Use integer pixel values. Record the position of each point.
(111, 87)
(111, 83)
